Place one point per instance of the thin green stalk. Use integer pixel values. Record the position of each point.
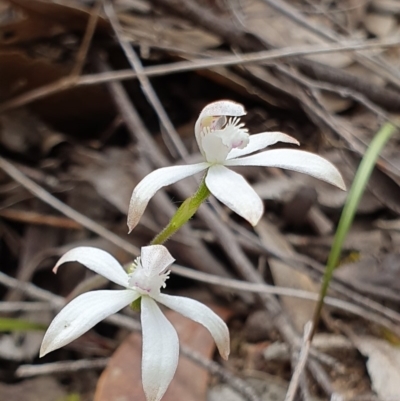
(10, 324)
(183, 214)
(360, 182)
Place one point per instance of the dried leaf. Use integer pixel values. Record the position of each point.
(383, 365)
(380, 25)
(334, 103)
(300, 311)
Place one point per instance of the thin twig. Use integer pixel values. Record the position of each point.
(298, 261)
(145, 83)
(299, 370)
(238, 384)
(61, 367)
(342, 91)
(46, 197)
(373, 63)
(282, 291)
(87, 39)
(240, 37)
(258, 57)
(30, 217)
(8, 307)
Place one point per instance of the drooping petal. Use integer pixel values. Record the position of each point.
(150, 184)
(215, 109)
(235, 192)
(261, 141)
(202, 314)
(296, 160)
(160, 350)
(155, 259)
(81, 314)
(97, 260)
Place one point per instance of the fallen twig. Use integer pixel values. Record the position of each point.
(302, 360)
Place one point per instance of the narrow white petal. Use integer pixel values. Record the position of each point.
(155, 259)
(81, 314)
(150, 184)
(235, 192)
(160, 350)
(97, 260)
(261, 141)
(296, 160)
(202, 314)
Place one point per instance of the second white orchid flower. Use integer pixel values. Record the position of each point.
(160, 340)
(223, 141)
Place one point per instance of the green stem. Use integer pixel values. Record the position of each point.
(183, 214)
(360, 182)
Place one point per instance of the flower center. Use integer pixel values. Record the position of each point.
(219, 135)
(144, 282)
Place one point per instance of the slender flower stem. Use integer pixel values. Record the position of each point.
(360, 182)
(183, 214)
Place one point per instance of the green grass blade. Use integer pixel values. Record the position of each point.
(9, 324)
(357, 189)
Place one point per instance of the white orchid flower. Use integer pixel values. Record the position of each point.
(223, 141)
(160, 340)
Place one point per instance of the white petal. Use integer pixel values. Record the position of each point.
(235, 192)
(220, 108)
(201, 314)
(261, 141)
(155, 259)
(97, 260)
(81, 314)
(160, 350)
(296, 160)
(150, 184)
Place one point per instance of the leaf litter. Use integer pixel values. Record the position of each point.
(72, 140)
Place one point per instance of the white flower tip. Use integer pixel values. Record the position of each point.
(136, 210)
(223, 108)
(340, 183)
(255, 218)
(64, 259)
(334, 177)
(224, 343)
(42, 352)
(290, 139)
(45, 348)
(225, 355)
